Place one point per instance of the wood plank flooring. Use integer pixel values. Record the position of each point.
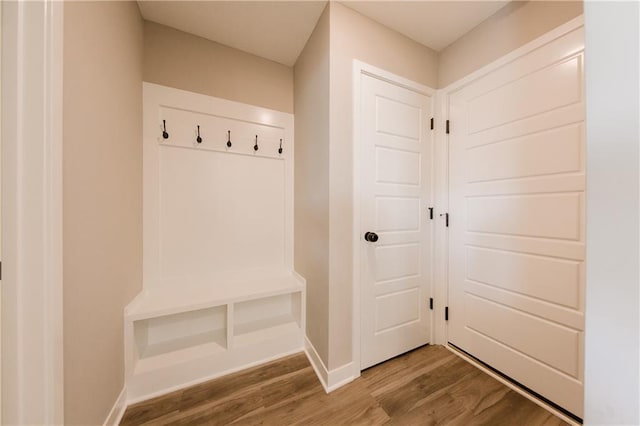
(428, 386)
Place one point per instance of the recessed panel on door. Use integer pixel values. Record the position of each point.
(505, 325)
(543, 153)
(543, 90)
(397, 214)
(397, 261)
(542, 277)
(543, 216)
(396, 118)
(397, 166)
(397, 309)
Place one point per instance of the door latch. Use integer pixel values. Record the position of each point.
(446, 219)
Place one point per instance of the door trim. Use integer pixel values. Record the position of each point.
(361, 68)
(32, 346)
(441, 232)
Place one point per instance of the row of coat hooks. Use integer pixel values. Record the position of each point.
(165, 135)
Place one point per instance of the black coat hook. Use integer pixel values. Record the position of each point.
(228, 138)
(199, 139)
(280, 149)
(255, 147)
(164, 130)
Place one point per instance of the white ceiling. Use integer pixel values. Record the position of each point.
(435, 24)
(278, 30)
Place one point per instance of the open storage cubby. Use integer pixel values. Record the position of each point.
(203, 331)
(266, 318)
(177, 338)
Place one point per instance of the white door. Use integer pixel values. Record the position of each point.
(395, 166)
(517, 220)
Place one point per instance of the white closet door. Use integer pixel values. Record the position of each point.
(517, 220)
(395, 196)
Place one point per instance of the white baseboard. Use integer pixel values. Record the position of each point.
(118, 409)
(330, 380)
(340, 376)
(316, 363)
(207, 378)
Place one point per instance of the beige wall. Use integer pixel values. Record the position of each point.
(177, 59)
(102, 204)
(511, 27)
(311, 198)
(353, 36)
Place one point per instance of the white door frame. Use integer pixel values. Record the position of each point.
(360, 68)
(32, 346)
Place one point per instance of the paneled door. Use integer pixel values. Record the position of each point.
(517, 220)
(395, 237)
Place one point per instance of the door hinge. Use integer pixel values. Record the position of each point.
(431, 123)
(447, 129)
(431, 303)
(446, 219)
(430, 213)
(446, 313)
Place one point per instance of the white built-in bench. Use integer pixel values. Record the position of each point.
(175, 338)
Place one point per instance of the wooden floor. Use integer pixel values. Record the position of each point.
(428, 386)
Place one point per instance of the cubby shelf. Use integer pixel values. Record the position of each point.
(200, 332)
(213, 339)
(259, 334)
(192, 347)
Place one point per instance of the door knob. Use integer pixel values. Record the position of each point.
(372, 237)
